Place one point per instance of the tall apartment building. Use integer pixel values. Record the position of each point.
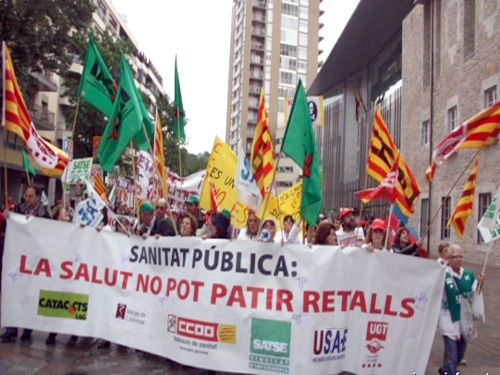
(45, 101)
(274, 43)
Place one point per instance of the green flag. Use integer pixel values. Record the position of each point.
(97, 85)
(178, 109)
(299, 144)
(126, 120)
(27, 165)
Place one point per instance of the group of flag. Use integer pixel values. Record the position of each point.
(128, 120)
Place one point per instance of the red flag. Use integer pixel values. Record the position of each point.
(386, 189)
(479, 131)
(213, 199)
(16, 118)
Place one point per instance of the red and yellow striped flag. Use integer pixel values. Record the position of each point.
(262, 155)
(159, 156)
(464, 205)
(99, 185)
(381, 157)
(480, 130)
(16, 118)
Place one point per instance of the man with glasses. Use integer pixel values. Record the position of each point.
(457, 281)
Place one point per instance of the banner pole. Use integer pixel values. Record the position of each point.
(388, 226)
(490, 245)
(5, 167)
(449, 192)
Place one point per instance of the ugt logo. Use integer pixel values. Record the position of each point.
(375, 333)
(120, 311)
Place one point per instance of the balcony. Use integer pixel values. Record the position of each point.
(259, 4)
(259, 18)
(256, 60)
(45, 81)
(257, 46)
(257, 31)
(41, 116)
(256, 75)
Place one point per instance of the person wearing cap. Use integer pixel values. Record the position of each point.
(219, 224)
(350, 234)
(191, 205)
(375, 237)
(150, 225)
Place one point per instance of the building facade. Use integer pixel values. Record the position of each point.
(431, 68)
(45, 102)
(274, 43)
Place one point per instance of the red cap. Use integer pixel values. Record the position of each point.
(378, 224)
(344, 211)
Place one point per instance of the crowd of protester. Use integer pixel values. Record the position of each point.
(160, 219)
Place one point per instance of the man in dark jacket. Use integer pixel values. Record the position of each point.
(150, 225)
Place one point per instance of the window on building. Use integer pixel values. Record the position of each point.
(113, 23)
(303, 40)
(469, 18)
(490, 96)
(101, 9)
(452, 118)
(302, 53)
(424, 216)
(445, 216)
(425, 133)
(484, 202)
(287, 78)
(303, 26)
(290, 23)
(288, 50)
(290, 9)
(304, 12)
(302, 67)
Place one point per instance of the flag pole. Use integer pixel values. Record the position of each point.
(388, 225)
(179, 144)
(366, 171)
(269, 193)
(480, 286)
(5, 166)
(451, 189)
(162, 183)
(63, 184)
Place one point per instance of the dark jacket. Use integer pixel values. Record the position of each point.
(411, 249)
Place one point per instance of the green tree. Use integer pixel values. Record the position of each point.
(41, 34)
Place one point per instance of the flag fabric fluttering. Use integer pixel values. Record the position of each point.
(464, 205)
(381, 157)
(27, 165)
(179, 120)
(248, 191)
(299, 143)
(126, 121)
(214, 206)
(262, 154)
(97, 85)
(489, 225)
(159, 155)
(16, 118)
(387, 188)
(479, 131)
(99, 185)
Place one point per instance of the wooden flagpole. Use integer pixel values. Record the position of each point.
(449, 192)
(388, 226)
(5, 166)
(490, 246)
(63, 184)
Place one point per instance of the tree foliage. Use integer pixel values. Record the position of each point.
(41, 34)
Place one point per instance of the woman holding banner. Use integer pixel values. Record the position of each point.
(252, 228)
(375, 237)
(325, 235)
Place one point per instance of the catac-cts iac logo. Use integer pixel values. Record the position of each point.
(329, 344)
(200, 330)
(63, 305)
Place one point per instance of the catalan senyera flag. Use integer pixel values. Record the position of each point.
(99, 185)
(16, 118)
(381, 156)
(479, 131)
(262, 156)
(159, 156)
(464, 205)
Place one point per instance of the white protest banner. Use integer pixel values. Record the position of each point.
(77, 170)
(146, 177)
(88, 211)
(240, 306)
(179, 189)
(248, 191)
(489, 225)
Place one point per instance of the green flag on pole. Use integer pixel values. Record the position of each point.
(299, 144)
(97, 85)
(179, 115)
(27, 165)
(126, 120)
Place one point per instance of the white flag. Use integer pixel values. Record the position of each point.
(146, 179)
(88, 211)
(489, 225)
(248, 191)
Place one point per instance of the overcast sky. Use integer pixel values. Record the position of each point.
(199, 31)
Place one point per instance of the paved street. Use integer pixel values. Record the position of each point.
(85, 358)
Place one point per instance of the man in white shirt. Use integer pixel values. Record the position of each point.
(350, 234)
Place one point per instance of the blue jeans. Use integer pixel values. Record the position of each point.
(454, 352)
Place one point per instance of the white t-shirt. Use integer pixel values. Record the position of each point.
(353, 238)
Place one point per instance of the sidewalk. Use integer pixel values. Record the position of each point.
(84, 358)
